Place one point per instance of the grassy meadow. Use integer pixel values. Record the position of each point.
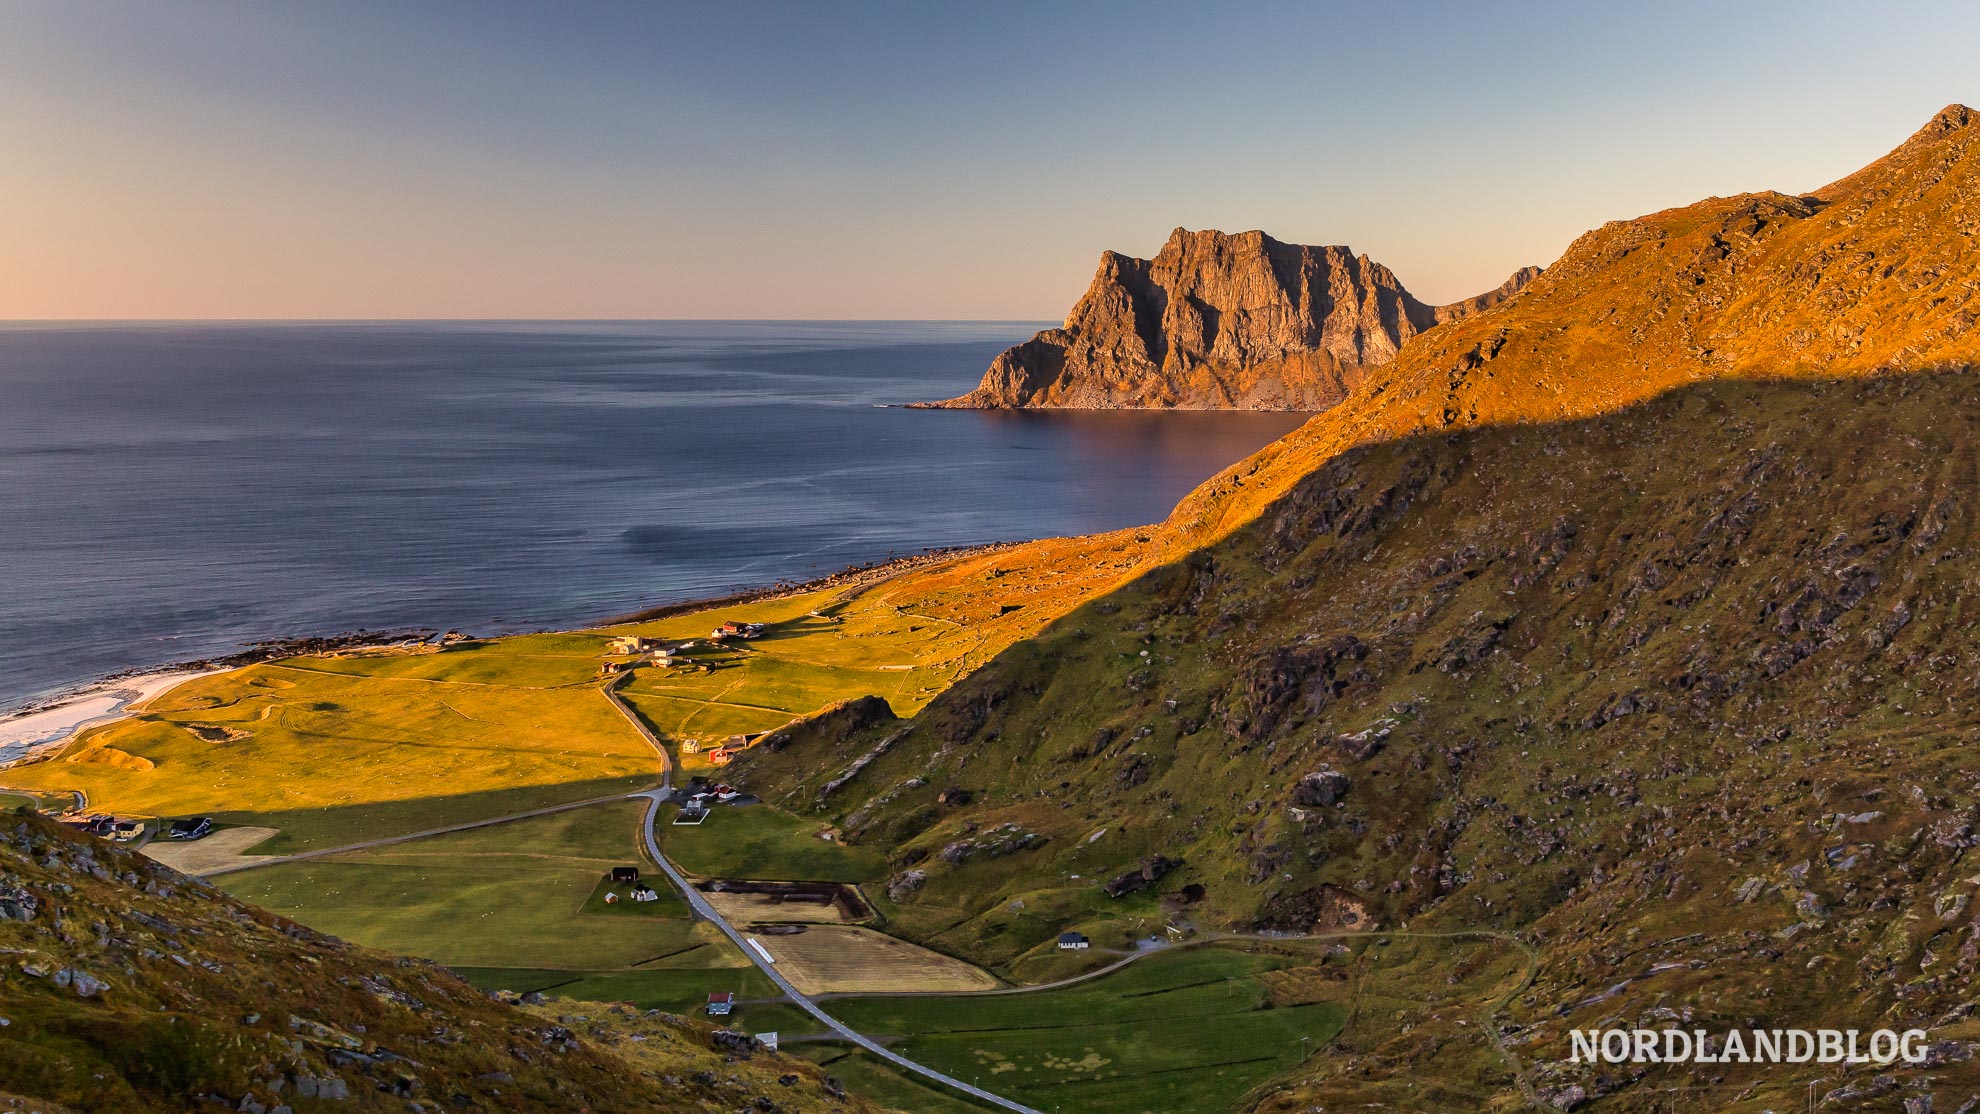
(317, 742)
(866, 1075)
(336, 750)
(766, 844)
(1183, 1032)
(528, 893)
(674, 989)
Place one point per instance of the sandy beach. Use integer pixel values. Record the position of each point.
(22, 736)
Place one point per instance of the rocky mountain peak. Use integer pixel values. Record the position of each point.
(1221, 320)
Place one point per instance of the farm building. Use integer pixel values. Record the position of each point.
(1073, 942)
(191, 828)
(720, 1002)
(614, 668)
(722, 756)
(625, 874)
(733, 629)
(102, 826)
(127, 830)
(690, 746)
(631, 644)
(644, 893)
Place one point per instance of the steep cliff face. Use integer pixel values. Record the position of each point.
(1218, 322)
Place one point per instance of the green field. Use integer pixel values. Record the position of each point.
(868, 1077)
(316, 746)
(676, 990)
(1182, 1032)
(761, 842)
(521, 894)
(338, 750)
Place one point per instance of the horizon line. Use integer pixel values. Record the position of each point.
(4, 321)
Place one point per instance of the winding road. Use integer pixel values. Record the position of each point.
(706, 911)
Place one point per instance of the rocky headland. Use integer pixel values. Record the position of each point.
(1220, 321)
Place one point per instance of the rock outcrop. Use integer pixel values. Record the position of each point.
(1220, 322)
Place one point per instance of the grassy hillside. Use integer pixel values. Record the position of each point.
(1682, 690)
(130, 988)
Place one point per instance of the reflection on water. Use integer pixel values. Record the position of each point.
(174, 490)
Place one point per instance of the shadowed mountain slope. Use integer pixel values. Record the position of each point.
(1630, 616)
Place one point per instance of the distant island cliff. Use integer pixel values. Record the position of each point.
(1219, 322)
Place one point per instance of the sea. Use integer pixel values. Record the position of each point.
(171, 491)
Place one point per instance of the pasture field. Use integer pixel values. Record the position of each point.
(842, 959)
(654, 987)
(313, 746)
(337, 750)
(880, 1082)
(1183, 1032)
(764, 843)
(521, 894)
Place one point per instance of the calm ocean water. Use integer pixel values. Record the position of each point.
(172, 491)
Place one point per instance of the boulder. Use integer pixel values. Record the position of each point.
(1321, 788)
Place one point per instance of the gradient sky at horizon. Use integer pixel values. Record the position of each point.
(367, 159)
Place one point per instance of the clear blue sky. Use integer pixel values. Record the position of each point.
(395, 159)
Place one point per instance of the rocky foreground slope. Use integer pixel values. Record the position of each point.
(126, 987)
(1220, 322)
(1632, 618)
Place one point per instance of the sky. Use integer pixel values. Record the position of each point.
(205, 159)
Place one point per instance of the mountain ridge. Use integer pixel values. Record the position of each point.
(1624, 617)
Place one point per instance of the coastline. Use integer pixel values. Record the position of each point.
(25, 738)
(31, 731)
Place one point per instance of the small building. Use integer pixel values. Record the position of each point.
(625, 874)
(611, 898)
(768, 1041)
(1073, 942)
(100, 826)
(127, 830)
(644, 893)
(691, 815)
(690, 746)
(732, 629)
(195, 827)
(722, 756)
(614, 668)
(720, 1003)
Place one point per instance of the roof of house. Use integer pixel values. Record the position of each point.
(721, 996)
(1071, 938)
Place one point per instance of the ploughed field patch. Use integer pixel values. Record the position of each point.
(754, 902)
(837, 959)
